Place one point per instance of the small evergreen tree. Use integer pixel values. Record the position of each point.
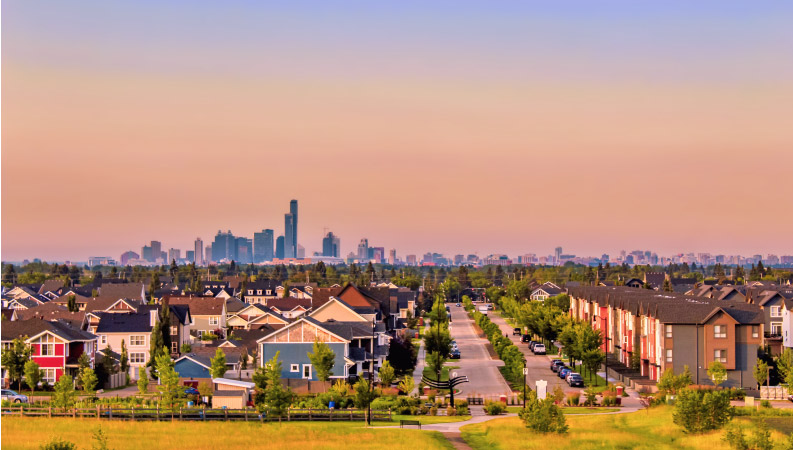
(32, 374)
(185, 348)
(322, 359)
(277, 397)
(89, 381)
(760, 372)
(123, 361)
(386, 374)
(218, 368)
(64, 392)
(698, 411)
(169, 378)
(543, 416)
(143, 380)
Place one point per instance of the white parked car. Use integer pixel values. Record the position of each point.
(13, 397)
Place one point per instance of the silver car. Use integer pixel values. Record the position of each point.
(13, 397)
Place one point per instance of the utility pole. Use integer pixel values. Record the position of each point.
(525, 372)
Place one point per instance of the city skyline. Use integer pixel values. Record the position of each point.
(455, 127)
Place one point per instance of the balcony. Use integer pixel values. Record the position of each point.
(772, 335)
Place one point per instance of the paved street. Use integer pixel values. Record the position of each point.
(538, 365)
(475, 362)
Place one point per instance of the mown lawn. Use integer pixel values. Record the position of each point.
(571, 410)
(425, 420)
(30, 433)
(652, 429)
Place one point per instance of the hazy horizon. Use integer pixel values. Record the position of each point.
(453, 127)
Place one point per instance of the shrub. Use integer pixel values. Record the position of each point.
(451, 411)
(58, 444)
(765, 404)
(434, 411)
(543, 416)
(494, 408)
(462, 410)
(591, 397)
(699, 411)
(609, 400)
(573, 398)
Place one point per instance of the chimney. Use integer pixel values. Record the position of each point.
(153, 317)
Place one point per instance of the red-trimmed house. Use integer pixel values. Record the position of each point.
(56, 346)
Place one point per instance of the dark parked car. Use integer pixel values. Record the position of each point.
(564, 371)
(556, 364)
(517, 332)
(191, 391)
(575, 380)
(455, 354)
(525, 338)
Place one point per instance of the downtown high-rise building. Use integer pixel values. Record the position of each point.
(224, 247)
(279, 247)
(331, 245)
(174, 254)
(392, 259)
(363, 250)
(290, 231)
(263, 246)
(243, 250)
(198, 252)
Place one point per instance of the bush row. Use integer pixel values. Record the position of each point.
(506, 350)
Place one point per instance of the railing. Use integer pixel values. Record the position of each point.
(771, 334)
(197, 414)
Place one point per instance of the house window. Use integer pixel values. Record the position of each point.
(47, 345)
(720, 331)
(137, 341)
(269, 292)
(776, 328)
(755, 331)
(259, 292)
(669, 355)
(294, 368)
(250, 291)
(668, 331)
(213, 320)
(48, 375)
(720, 355)
(137, 358)
(174, 347)
(776, 311)
(174, 331)
(103, 339)
(307, 371)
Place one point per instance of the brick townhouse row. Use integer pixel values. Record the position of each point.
(670, 331)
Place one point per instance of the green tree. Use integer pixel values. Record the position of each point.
(185, 348)
(123, 361)
(760, 372)
(543, 416)
(323, 358)
(89, 381)
(71, 303)
(14, 359)
(154, 285)
(58, 444)
(277, 398)
(143, 380)
(386, 374)
(218, 368)
(83, 362)
(64, 392)
(671, 383)
(407, 384)
(717, 372)
(32, 374)
(784, 363)
(155, 347)
(169, 379)
(364, 395)
(700, 411)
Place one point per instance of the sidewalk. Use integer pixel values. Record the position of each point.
(420, 364)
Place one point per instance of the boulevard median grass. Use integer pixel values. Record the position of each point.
(651, 429)
(30, 433)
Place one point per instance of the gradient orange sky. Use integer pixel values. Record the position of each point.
(457, 128)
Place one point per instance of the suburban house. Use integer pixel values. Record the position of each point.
(258, 292)
(290, 308)
(255, 315)
(545, 291)
(655, 331)
(56, 346)
(131, 291)
(208, 313)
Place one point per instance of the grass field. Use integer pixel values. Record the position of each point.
(572, 410)
(30, 433)
(425, 420)
(652, 429)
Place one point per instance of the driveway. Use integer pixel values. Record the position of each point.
(475, 362)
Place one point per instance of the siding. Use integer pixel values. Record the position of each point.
(297, 353)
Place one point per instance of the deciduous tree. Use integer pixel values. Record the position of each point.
(323, 358)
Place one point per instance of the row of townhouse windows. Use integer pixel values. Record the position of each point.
(718, 355)
(720, 331)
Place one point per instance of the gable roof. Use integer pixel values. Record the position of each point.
(139, 322)
(337, 301)
(132, 291)
(201, 306)
(35, 327)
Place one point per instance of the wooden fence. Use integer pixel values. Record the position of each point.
(197, 414)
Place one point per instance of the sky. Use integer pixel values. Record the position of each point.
(447, 126)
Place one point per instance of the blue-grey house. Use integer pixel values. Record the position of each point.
(192, 365)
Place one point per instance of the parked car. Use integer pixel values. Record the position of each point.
(490, 306)
(13, 397)
(525, 338)
(458, 305)
(556, 364)
(539, 349)
(532, 344)
(517, 332)
(191, 391)
(575, 380)
(455, 354)
(564, 371)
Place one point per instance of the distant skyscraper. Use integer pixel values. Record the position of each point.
(189, 255)
(331, 245)
(126, 256)
(363, 250)
(243, 250)
(410, 260)
(290, 231)
(224, 247)
(263, 246)
(392, 256)
(198, 252)
(290, 251)
(558, 255)
(174, 254)
(208, 254)
(301, 252)
(279, 247)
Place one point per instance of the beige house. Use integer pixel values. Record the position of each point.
(208, 313)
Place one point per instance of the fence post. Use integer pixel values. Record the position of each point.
(309, 414)
(22, 410)
(204, 412)
(288, 415)
(158, 412)
(330, 416)
(226, 414)
(50, 415)
(97, 411)
(180, 412)
(246, 414)
(350, 415)
(74, 412)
